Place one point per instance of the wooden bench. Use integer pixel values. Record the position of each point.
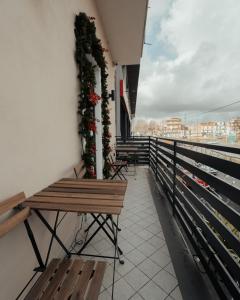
(62, 278)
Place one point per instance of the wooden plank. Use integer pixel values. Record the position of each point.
(76, 201)
(69, 283)
(96, 281)
(94, 184)
(80, 195)
(96, 180)
(58, 278)
(83, 281)
(83, 190)
(38, 288)
(13, 221)
(87, 186)
(74, 208)
(11, 202)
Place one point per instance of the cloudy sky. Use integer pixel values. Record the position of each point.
(193, 64)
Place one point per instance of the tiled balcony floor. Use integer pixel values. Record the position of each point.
(148, 272)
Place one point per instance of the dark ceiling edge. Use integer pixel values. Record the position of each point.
(145, 24)
(132, 79)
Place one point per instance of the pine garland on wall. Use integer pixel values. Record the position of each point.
(87, 43)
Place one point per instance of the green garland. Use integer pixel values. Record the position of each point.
(88, 43)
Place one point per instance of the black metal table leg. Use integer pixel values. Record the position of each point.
(105, 231)
(115, 252)
(92, 223)
(52, 237)
(118, 170)
(115, 225)
(44, 221)
(41, 267)
(92, 236)
(101, 226)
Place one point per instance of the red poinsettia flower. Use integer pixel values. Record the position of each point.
(92, 126)
(94, 98)
(91, 171)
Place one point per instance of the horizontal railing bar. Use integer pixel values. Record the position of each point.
(222, 148)
(166, 145)
(227, 167)
(222, 186)
(166, 153)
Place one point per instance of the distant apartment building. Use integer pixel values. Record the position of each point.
(234, 129)
(174, 128)
(221, 129)
(234, 125)
(208, 128)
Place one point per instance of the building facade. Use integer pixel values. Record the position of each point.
(38, 105)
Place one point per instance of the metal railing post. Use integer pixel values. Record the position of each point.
(156, 157)
(174, 176)
(149, 150)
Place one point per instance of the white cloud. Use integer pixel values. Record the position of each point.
(205, 71)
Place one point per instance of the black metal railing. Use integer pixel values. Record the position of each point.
(202, 182)
(138, 146)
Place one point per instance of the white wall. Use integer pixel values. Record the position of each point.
(39, 140)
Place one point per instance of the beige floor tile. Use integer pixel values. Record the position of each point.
(136, 278)
(152, 292)
(149, 268)
(125, 268)
(165, 281)
(160, 258)
(136, 257)
(147, 249)
(122, 290)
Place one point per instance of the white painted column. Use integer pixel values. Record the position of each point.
(98, 135)
(118, 76)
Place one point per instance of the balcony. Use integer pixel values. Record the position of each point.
(179, 225)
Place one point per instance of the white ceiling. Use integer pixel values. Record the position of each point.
(124, 25)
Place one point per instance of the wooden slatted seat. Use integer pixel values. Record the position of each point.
(69, 279)
(63, 278)
(116, 167)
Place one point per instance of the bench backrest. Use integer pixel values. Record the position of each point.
(13, 220)
(79, 170)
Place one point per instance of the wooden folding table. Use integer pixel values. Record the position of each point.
(82, 196)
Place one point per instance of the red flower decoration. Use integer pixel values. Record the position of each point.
(92, 126)
(91, 171)
(94, 98)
